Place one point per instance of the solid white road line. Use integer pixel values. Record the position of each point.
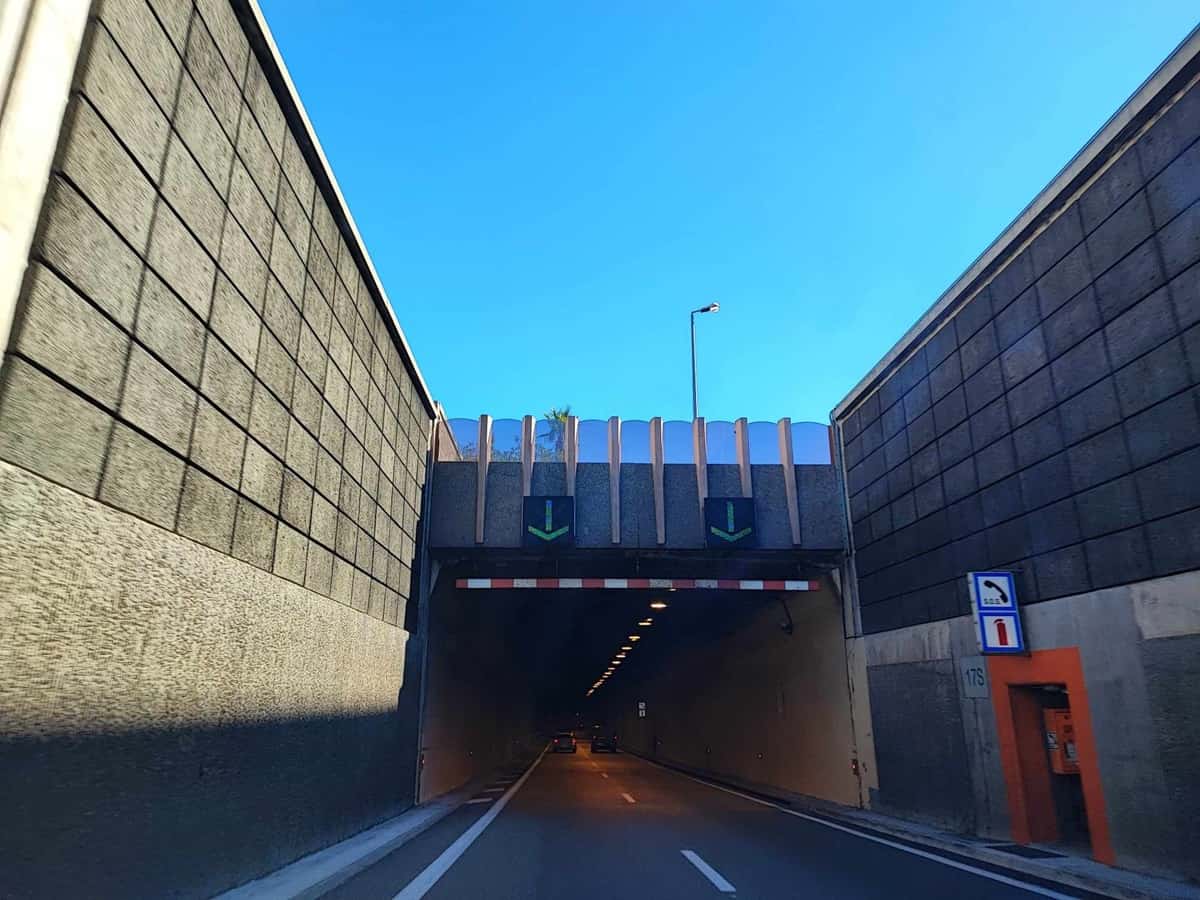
(924, 854)
(325, 869)
(480, 800)
(419, 886)
(708, 872)
(603, 774)
(628, 799)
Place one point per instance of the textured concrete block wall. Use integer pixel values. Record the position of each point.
(1051, 424)
(172, 720)
(201, 360)
(197, 344)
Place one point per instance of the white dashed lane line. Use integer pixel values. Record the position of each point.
(628, 799)
(708, 872)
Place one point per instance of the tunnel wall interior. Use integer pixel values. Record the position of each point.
(214, 449)
(480, 711)
(1046, 421)
(755, 705)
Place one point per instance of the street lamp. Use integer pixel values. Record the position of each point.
(712, 307)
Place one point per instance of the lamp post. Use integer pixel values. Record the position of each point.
(712, 307)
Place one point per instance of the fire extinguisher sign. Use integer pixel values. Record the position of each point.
(994, 600)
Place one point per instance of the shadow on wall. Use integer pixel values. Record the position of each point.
(188, 813)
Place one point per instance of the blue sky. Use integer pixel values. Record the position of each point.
(547, 188)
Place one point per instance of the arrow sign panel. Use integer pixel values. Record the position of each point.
(548, 522)
(729, 522)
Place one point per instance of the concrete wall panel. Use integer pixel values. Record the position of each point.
(919, 748)
(454, 496)
(685, 527)
(593, 525)
(1171, 671)
(637, 507)
(549, 479)
(770, 508)
(502, 514)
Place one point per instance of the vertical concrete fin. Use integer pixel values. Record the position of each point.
(571, 448)
(614, 475)
(484, 457)
(700, 456)
(741, 437)
(787, 460)
(39, 44)
(656, 472)
(528, 440)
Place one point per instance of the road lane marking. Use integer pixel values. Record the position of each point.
(628, 799)
(603, 774)
(480, 800)
(708, 872)
(420, 886)
(495, 790)
(924, 854)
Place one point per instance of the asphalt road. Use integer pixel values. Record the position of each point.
(589, 826)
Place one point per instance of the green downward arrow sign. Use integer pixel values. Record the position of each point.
(548, 534)
(730, 535)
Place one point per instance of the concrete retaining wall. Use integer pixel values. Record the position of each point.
(215, 444)
(1044, 418)
(1138, 646)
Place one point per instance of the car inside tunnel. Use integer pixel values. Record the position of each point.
(738, 672)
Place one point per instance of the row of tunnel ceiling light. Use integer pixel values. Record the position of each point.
(626, 648)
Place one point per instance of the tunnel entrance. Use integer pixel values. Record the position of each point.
(683, 663)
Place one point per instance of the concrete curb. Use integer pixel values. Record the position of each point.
(320, 872)
(1148, 887)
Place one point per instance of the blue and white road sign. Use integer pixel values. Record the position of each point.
(994, 598)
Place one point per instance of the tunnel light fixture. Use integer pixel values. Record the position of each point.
(658, 604)
(646, 623)
(620, 656)
(635, 637)
(627, 648)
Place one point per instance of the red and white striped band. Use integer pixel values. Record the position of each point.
(664, 584)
